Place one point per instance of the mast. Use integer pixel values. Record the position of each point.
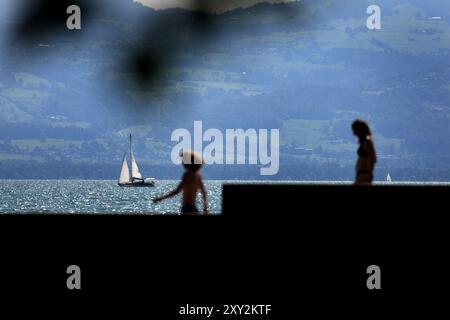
(131, 149)
(131, 159)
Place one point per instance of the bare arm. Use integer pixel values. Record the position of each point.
(204, 197)
(170, 194)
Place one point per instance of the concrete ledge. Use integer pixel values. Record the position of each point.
(288, 199)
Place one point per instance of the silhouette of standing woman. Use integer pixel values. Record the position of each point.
(366, 153)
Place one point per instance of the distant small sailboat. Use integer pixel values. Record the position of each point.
(388, 178)
(133, 178)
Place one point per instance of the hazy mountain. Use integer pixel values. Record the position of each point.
(308, 68)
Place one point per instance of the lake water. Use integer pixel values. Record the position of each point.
(102, 197)
(89, 196)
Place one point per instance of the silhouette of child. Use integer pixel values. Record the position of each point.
(190, 184)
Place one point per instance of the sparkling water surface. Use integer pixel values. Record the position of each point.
(103, 197)
(95, 197)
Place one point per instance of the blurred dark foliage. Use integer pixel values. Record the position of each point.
(148, 55)
(159, 39)
(36, 21)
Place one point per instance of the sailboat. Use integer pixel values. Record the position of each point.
(388, 178)
(134, 177)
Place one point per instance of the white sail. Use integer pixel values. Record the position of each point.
(124, 172)
(388, 178)
(135, 173)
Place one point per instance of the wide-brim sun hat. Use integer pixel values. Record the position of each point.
(191, 157)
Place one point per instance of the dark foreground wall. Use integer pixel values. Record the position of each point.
(377, 219)
(302, 249)
(303, 201)
(326, 236)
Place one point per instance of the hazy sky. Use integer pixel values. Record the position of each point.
(212, 5)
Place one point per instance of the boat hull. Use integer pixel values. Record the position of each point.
(136, 185)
